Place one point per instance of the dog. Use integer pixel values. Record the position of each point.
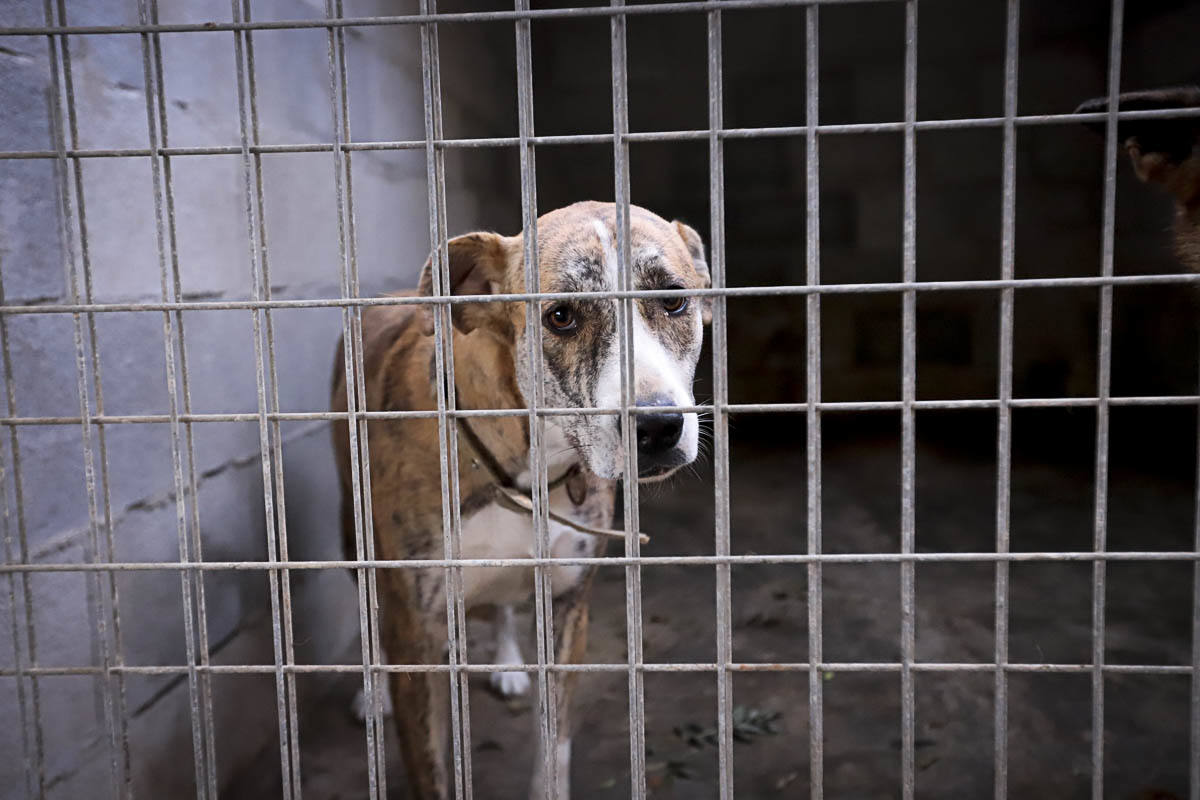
(1164, 151)
(584, 454)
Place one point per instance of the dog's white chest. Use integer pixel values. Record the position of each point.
(497, 532)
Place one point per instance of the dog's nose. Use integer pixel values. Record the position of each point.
(658, 432)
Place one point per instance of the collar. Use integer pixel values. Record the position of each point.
(506, 492)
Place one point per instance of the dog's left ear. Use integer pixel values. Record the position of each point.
(1161, 150)
(477, 266)
(695, 248)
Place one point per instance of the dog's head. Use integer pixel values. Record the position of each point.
(1165, 151)
(581, 353)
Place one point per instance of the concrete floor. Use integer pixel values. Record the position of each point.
(1149, 617)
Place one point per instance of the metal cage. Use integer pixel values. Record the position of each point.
(181, 420)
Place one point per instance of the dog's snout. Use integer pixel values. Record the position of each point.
(658, 432)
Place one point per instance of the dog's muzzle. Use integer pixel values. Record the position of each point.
(658, 435)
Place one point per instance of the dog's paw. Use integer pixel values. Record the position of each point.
(359, 707)
(509, 684)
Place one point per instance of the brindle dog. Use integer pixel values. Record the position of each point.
(577, 252)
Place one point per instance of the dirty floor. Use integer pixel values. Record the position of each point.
(1149, 618)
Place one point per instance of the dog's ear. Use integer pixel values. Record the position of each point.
(1161, 150)
(477, 266)
(695, 248)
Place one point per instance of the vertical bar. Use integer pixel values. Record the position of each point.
(197, 578)
(68, 219)
(625, 312)
(94, 349)
(380, 687)
(35, 766)
(163, 195)
(1103, 381)
(716, 192)
(1194, 761)
(816, 715)
(543, 602)
(448, 432)
(289, 769)
(270, 440)
(908, 422)
(1004, 420)
(364, 535)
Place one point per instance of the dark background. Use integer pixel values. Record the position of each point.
(1059, 203)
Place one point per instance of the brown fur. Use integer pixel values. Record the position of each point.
(1165, 151)
(398, 365)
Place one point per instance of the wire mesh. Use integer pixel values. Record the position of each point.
(110, 670)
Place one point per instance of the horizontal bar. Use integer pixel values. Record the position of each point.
(620, 561)
(417, 19)
(833, 667)
(731, 408)
(779, 131)
(617, 294)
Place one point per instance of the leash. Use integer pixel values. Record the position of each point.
(506, 493)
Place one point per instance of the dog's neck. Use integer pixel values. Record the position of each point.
(485, 378)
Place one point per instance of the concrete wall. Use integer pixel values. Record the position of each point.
(62, 610)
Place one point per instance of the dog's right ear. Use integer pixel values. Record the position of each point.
(1165, 150)
(477, 265)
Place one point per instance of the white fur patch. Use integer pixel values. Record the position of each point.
(609, 244)
(508, 651)
(496, 532)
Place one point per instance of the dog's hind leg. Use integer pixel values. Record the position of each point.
(570, 646)
(359, 707)
(508, 651)
(416, 634)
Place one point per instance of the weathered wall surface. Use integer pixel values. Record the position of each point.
(52, 523)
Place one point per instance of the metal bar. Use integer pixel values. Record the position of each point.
(628, 380)
(289, 770)
(812, 246)
(845, 406)
(379, 689)
(62, 89)
(276, 435)
(833, 129)
(352, 357)
(34, 752)
(621, 561)
(205, 688)
(1103, 384)
(521, 14)
(908, 635)
(719, 323)
(543, 606)
(644, 294)
(1004, 410)
(163, 188)
(447, 432)
(1194, 763)
(671, 667)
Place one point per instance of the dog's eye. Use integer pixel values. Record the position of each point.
(561, 319)
(675, 305)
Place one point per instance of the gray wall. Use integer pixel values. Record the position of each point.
(210, 222)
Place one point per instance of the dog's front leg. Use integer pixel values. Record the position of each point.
(570, 646)
(420, 700)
